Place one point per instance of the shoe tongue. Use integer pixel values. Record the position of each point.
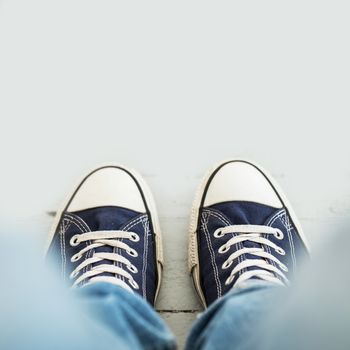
(105, 219)
(246, 213)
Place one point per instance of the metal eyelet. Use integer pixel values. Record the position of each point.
(74, 241)
(75, 257)
(280, 251)
(132, 252)
(279, 234)
(132, 268)
(135, 237)
(218, 234)
(133, 284)
(223, 249)
(226, 264)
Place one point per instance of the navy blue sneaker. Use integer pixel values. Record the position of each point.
(242, 228)
(108, 231)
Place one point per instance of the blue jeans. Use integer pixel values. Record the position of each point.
(47, 315)
(136, 325)
(37, 312)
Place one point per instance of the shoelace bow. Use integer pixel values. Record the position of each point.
(265, 269)
(99, 239)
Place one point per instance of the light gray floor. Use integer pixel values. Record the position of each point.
(170, 89)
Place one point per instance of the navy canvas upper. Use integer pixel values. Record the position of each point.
(216, 216)
(108, 218)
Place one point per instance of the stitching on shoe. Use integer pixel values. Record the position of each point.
(272, 220)
(283, 216)
(145, 255)
(63, 229)
(133, 223)
(71, 221)
(204, 220)
(287, 225)
(128, 227)
(83, 227)
(227, 222)
(277, 216)
(78, 221)
(63, 261)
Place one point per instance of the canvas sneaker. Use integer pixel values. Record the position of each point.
(108, 231)
(242, 228)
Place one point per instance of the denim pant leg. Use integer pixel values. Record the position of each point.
(39, 312)
(229, 323)
(134, 322)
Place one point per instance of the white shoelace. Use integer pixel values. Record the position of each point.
(100, 239)
(265, 269)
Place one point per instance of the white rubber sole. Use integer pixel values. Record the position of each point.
(151, 207)
(193, 258)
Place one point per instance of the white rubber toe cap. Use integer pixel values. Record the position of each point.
(241, 181)
(108, 186)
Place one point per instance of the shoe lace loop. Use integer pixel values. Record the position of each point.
(267, 266)
(96, 273)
